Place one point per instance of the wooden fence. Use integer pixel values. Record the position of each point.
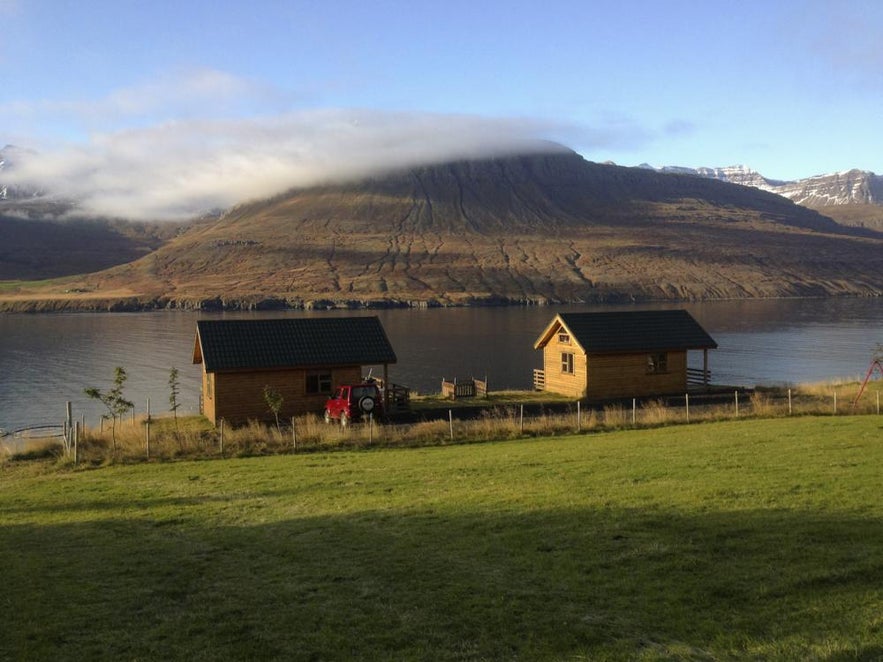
(398, 398)
(472, 388)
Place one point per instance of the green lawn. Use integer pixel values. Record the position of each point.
(756, 539)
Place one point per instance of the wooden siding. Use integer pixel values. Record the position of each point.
(625, 376)
(208, 395)
(557, 381)
(239, 396)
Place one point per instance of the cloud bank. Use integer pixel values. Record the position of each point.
(196, 140)
(179, 169)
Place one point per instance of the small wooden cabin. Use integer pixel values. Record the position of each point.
(621, 354)
(301, 359)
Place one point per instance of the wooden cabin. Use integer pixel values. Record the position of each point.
(302, 359)
(625, 354)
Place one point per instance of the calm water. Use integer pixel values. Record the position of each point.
(46, 360)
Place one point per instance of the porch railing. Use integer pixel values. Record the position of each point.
(698, 377)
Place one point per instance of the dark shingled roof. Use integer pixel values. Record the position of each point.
(291, 343)
(638, 331)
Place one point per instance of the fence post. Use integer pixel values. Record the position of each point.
(221, 435)
(634, 410)
(521, 416)
(293, 435)
(789, 402)
(68, 428)
(147, 429)
(579, 417)
(371, 428)
(76, 443)
(737, 402)
(835, 403)
(451, 423)
(687, 404)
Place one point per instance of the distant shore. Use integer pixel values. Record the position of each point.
(143, 304)
(11, 304)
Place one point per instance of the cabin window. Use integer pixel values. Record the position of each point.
(657, 364)
(319, 382)
(567, 363)
(564, 338)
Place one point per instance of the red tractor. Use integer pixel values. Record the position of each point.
(354, 401)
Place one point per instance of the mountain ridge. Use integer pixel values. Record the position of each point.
(852, 197)
(542, 228)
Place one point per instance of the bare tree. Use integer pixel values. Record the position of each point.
(274, 400)
(113, 400)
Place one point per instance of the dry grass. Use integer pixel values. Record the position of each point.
(764, 406)
(843, 387)
(654, 413)
(194, 437)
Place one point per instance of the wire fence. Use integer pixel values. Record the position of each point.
(146, 437)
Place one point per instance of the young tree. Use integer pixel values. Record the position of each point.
(273, 398)
(113, 400)
(174, 389)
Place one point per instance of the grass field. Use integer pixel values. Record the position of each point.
(758, 539)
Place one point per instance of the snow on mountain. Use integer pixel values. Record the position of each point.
(8, 156)
(4, 189)
(841, 188)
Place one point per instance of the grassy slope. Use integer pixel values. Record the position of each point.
(757, 539)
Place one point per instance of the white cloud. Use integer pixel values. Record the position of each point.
(177, 169)
(191, 141)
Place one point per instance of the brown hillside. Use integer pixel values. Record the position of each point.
(855, 215)
(37, 248)
(550, 227)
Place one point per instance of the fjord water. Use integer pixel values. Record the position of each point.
(46, 360)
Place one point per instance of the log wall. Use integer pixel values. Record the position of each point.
(238, 397)
(625, 376)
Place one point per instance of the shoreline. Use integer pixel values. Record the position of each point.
(137, 304)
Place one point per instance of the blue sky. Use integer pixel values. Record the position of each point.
(296, 90)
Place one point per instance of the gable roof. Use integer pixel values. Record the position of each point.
(291, 343)
(631, 331)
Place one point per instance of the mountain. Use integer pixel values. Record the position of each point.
(854, 197)
(41, 236)
(534, 228)
(38, 249)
